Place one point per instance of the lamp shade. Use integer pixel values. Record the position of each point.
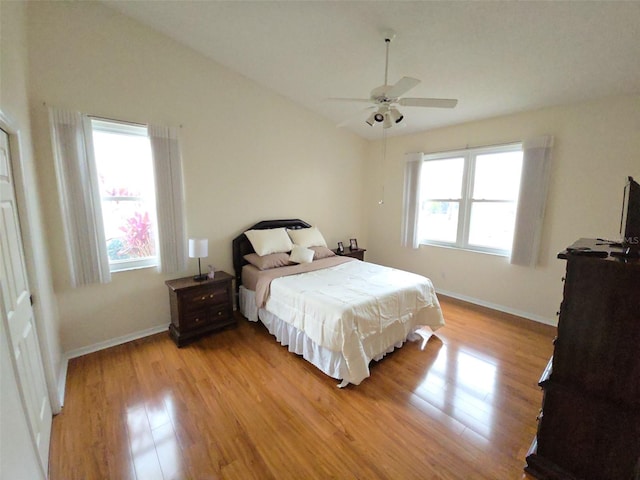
(198, 247)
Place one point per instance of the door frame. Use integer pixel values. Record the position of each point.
(17, 165)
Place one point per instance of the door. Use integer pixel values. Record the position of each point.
(18, 322)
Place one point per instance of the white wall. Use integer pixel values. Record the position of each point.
(18, 456)
(597, 146)
(248, 153)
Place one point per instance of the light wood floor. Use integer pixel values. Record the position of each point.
(237, 405)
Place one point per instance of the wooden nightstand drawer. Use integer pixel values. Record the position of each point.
(204, 296)
(198, 308)
(204, 317)
(195, 318)
(221, 313)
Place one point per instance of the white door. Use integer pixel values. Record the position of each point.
(17, 315)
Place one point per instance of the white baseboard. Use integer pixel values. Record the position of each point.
(78, 352)
(500, 308)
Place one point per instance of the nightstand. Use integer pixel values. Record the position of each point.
(198, 308)
(355, 253)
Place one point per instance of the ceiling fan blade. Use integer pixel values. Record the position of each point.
(402, 86)
(428, 102)
(367, 100)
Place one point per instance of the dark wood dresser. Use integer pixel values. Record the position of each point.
(589, 425)
(198, 308)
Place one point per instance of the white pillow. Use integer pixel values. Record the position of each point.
(273, 240)
(307, 237)
(301, 254)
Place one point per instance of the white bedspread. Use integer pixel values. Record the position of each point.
(357, 308)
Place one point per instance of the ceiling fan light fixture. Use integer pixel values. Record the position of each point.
(387, 121)
(378, 117)
(372, 119)
(395, 115)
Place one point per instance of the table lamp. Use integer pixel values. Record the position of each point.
(198, 248)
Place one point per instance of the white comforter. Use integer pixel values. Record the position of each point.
(357, 308)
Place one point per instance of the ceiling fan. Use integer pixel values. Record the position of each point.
(386, 98)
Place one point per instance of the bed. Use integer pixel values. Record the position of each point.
(337, 312)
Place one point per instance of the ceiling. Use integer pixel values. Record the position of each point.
(495, 57)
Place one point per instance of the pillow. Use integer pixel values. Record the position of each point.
(307, 237)
(273, 240)
(301, 254)
(266, 262)
(322, 252)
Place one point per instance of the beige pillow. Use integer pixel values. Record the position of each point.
(273, 240)
(307, 237)
(266, 262)
(322, 252)
(301, 254)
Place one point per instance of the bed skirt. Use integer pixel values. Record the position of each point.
(329, 362)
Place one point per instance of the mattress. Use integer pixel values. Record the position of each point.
(357, 310)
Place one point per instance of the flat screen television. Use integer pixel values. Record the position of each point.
(630, 220)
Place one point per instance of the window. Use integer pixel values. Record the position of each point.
(105, 170)
(124, 166)
(468, 199)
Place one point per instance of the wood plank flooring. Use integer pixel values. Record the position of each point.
(237, 405)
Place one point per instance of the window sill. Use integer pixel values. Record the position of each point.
(470, 250)
(128, 269)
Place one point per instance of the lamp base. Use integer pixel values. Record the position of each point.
(200, 278)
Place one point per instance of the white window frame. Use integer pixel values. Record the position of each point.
(466, 199)
(125, 128)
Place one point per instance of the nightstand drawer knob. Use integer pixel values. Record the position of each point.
(219, 313)
(203, 298)
(211, 296)
(197, 320)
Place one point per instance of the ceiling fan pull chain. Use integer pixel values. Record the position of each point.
(383, 157)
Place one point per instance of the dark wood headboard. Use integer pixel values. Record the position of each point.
(242, 246)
